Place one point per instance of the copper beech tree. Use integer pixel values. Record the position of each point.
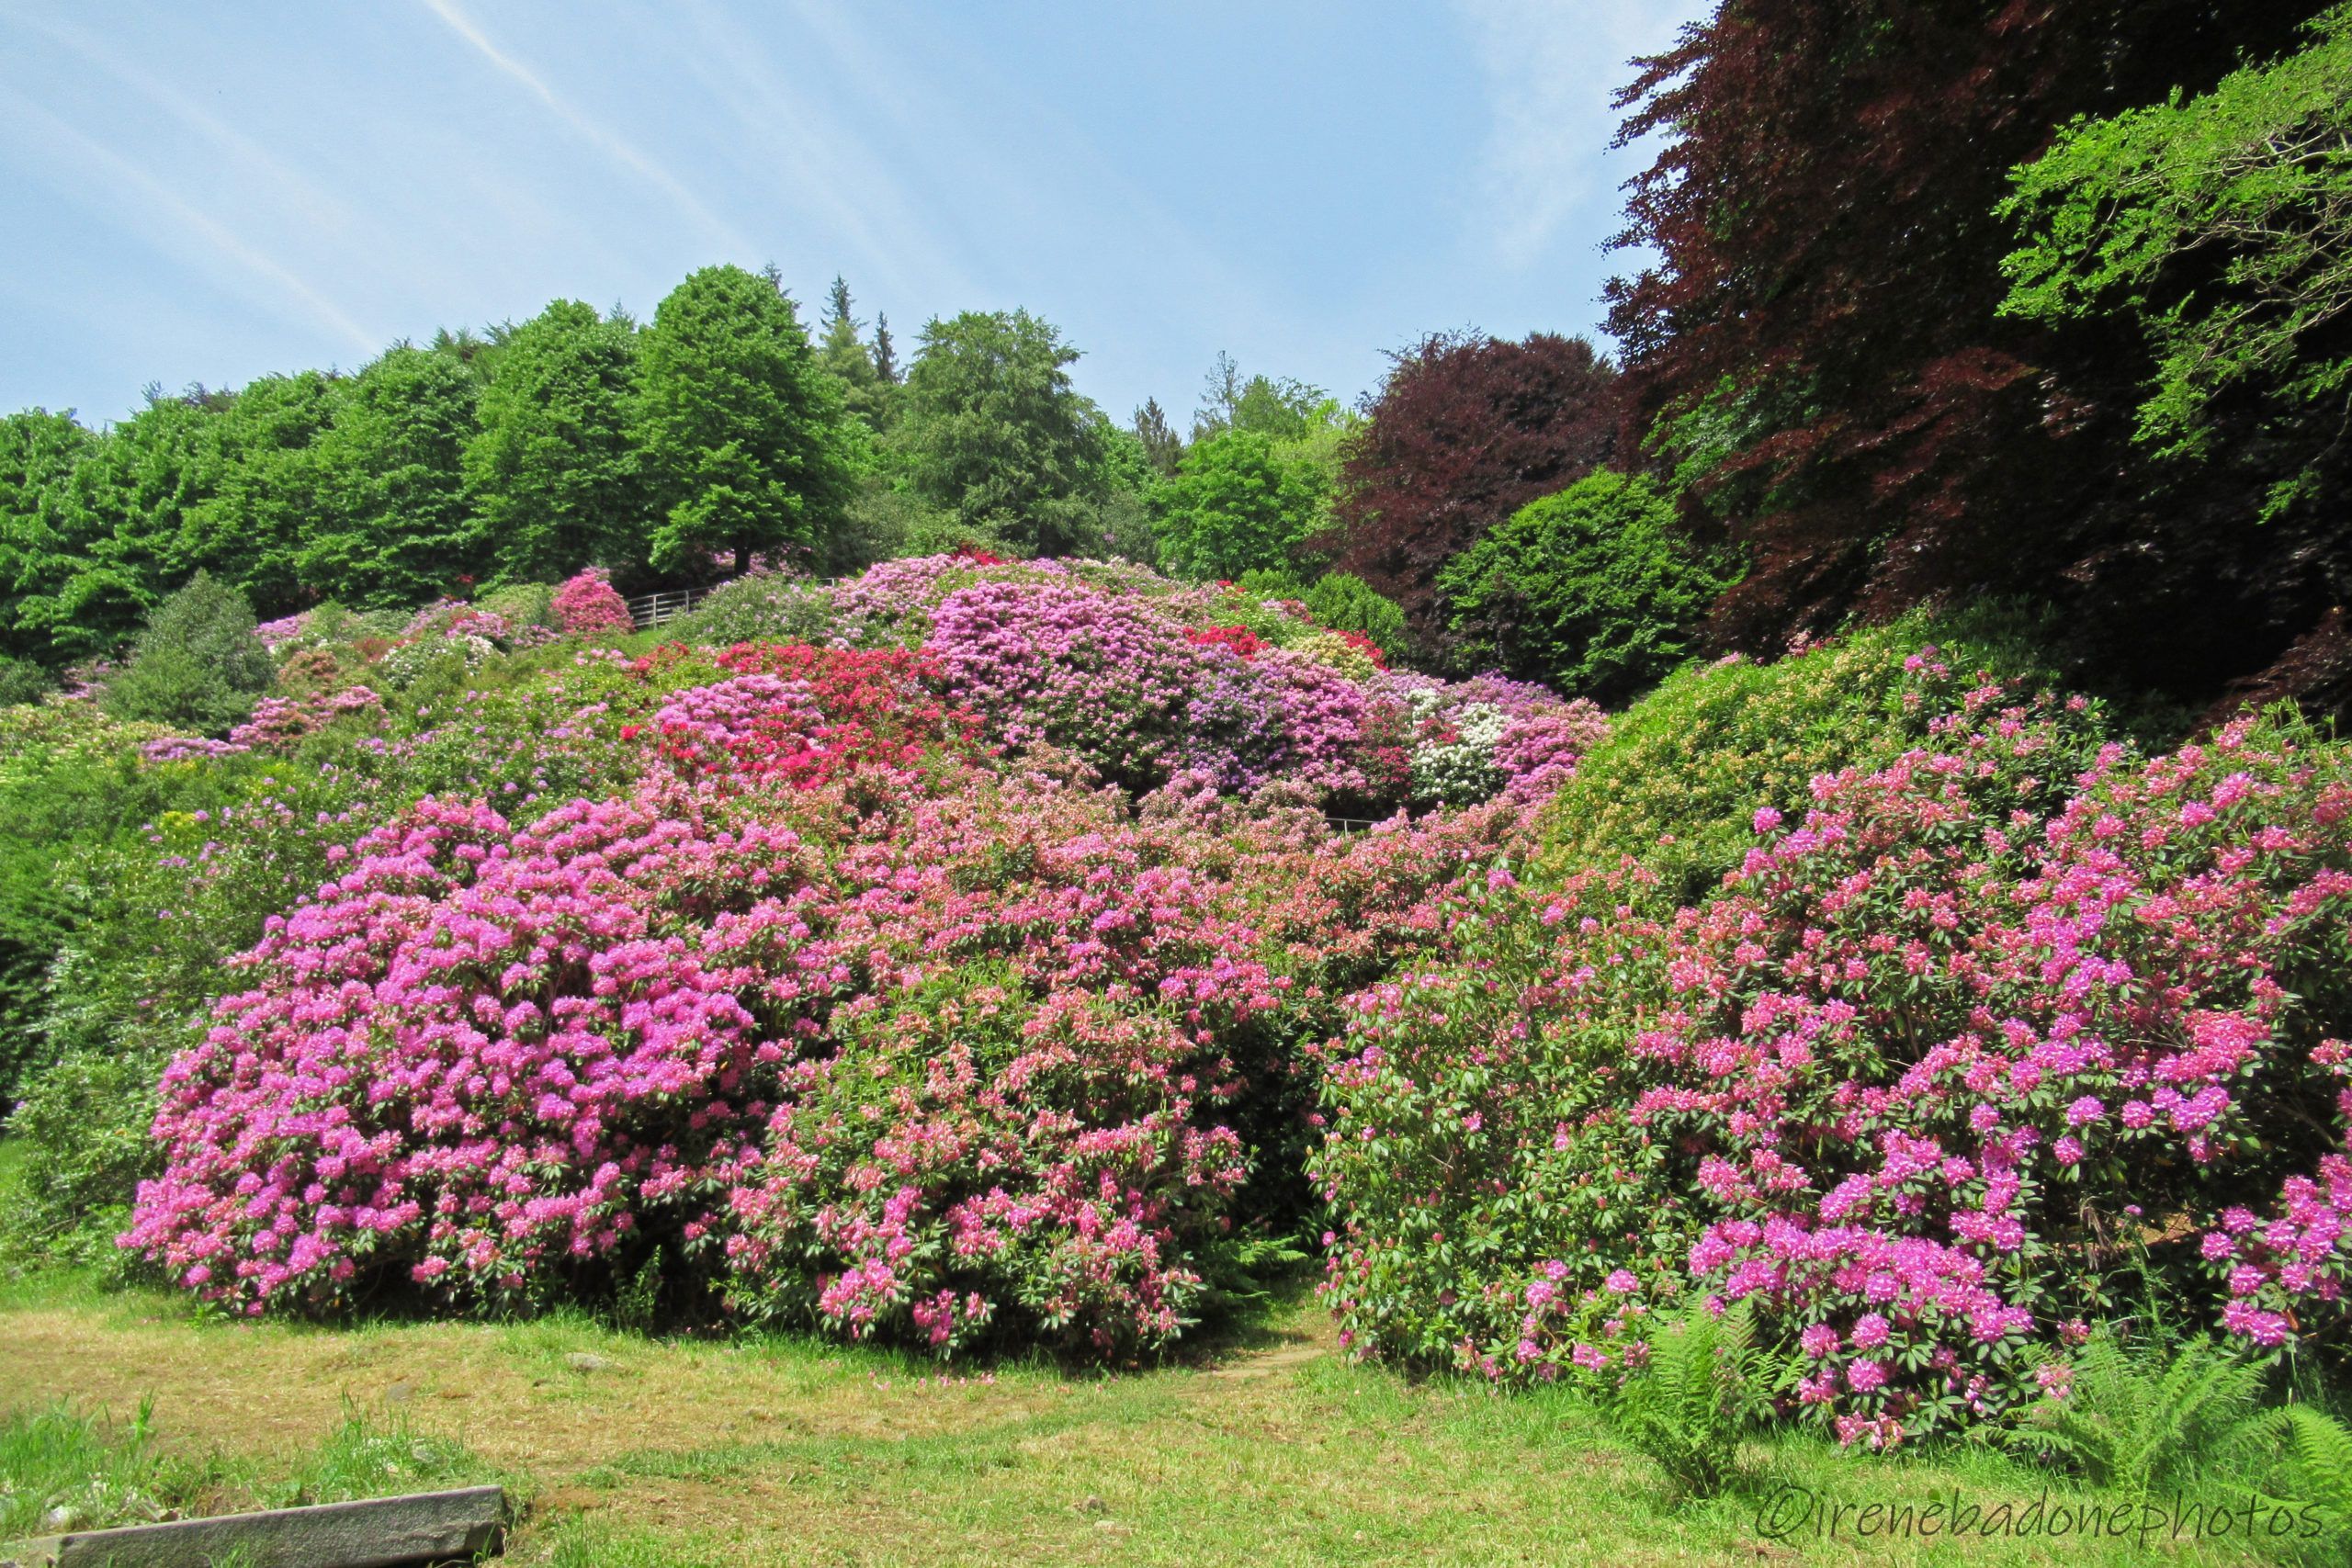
(1815, 346)
(1466, 429)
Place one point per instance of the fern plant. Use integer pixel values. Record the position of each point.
(1688, 1408)
(2321, 1449)
(2140, 1422)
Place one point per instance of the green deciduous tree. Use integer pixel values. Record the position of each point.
(269, 488)
(1240, 501)
(39, 451)
(551, 473)
(393, 528)
(741, 431)
(1593, 590)
(1257, 483)
(113, 530)
(991, 430)
(2221, 225)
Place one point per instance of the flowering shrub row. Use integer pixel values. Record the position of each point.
(849, 1028)
(1146, 678)
(1971, 1046)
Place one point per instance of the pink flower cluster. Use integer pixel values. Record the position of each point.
(1133, 690)
(278, 722)
(588, 605)
(457, 618)
(484, 1056)
(189, 749)
(277, 634)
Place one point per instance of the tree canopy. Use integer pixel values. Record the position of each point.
(991, 430)
(1815, 349)
(1466, 429)
(2221, 226)
(551, 471)
(739, 426)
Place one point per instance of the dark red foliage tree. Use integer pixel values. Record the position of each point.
(1816, 345)
(1466, 429)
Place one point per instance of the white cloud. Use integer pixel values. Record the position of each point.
(586, 127)
(291, 193)
(1552, 67)
(180, 230)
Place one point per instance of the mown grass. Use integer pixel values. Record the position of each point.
(64, 1467)
(627, 1450)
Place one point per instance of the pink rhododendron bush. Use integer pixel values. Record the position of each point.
(828, 1017)
(588, 605)
(1978, 1048)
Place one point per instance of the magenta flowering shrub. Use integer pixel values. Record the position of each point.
(588, 605)
(452, 618)
(1143, 696)
(189, 748)
(277, 634)
(1988, 1040)
(1145, 679)
(709, 727)
(1068, 667)
(484, 1058)
(1538, 753)
(948, 992)
(1021, 1128)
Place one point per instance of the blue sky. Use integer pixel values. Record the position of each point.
(207, 192)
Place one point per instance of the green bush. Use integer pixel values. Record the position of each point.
(197, 664)
(764, 608)
(1679, 779)
(1344, 602)
(22, 680)
(71, 786)
(1594, 590)
(1276, 582)
(522, 604)
(152, 893)
(82, 1135)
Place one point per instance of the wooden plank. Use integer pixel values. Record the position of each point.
(423, 1527)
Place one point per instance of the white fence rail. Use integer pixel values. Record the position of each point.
(652, 609)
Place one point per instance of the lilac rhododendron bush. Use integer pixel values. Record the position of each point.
(850, 1002)
(1981, 1045)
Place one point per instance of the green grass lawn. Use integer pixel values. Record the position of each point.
(625, 1450)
